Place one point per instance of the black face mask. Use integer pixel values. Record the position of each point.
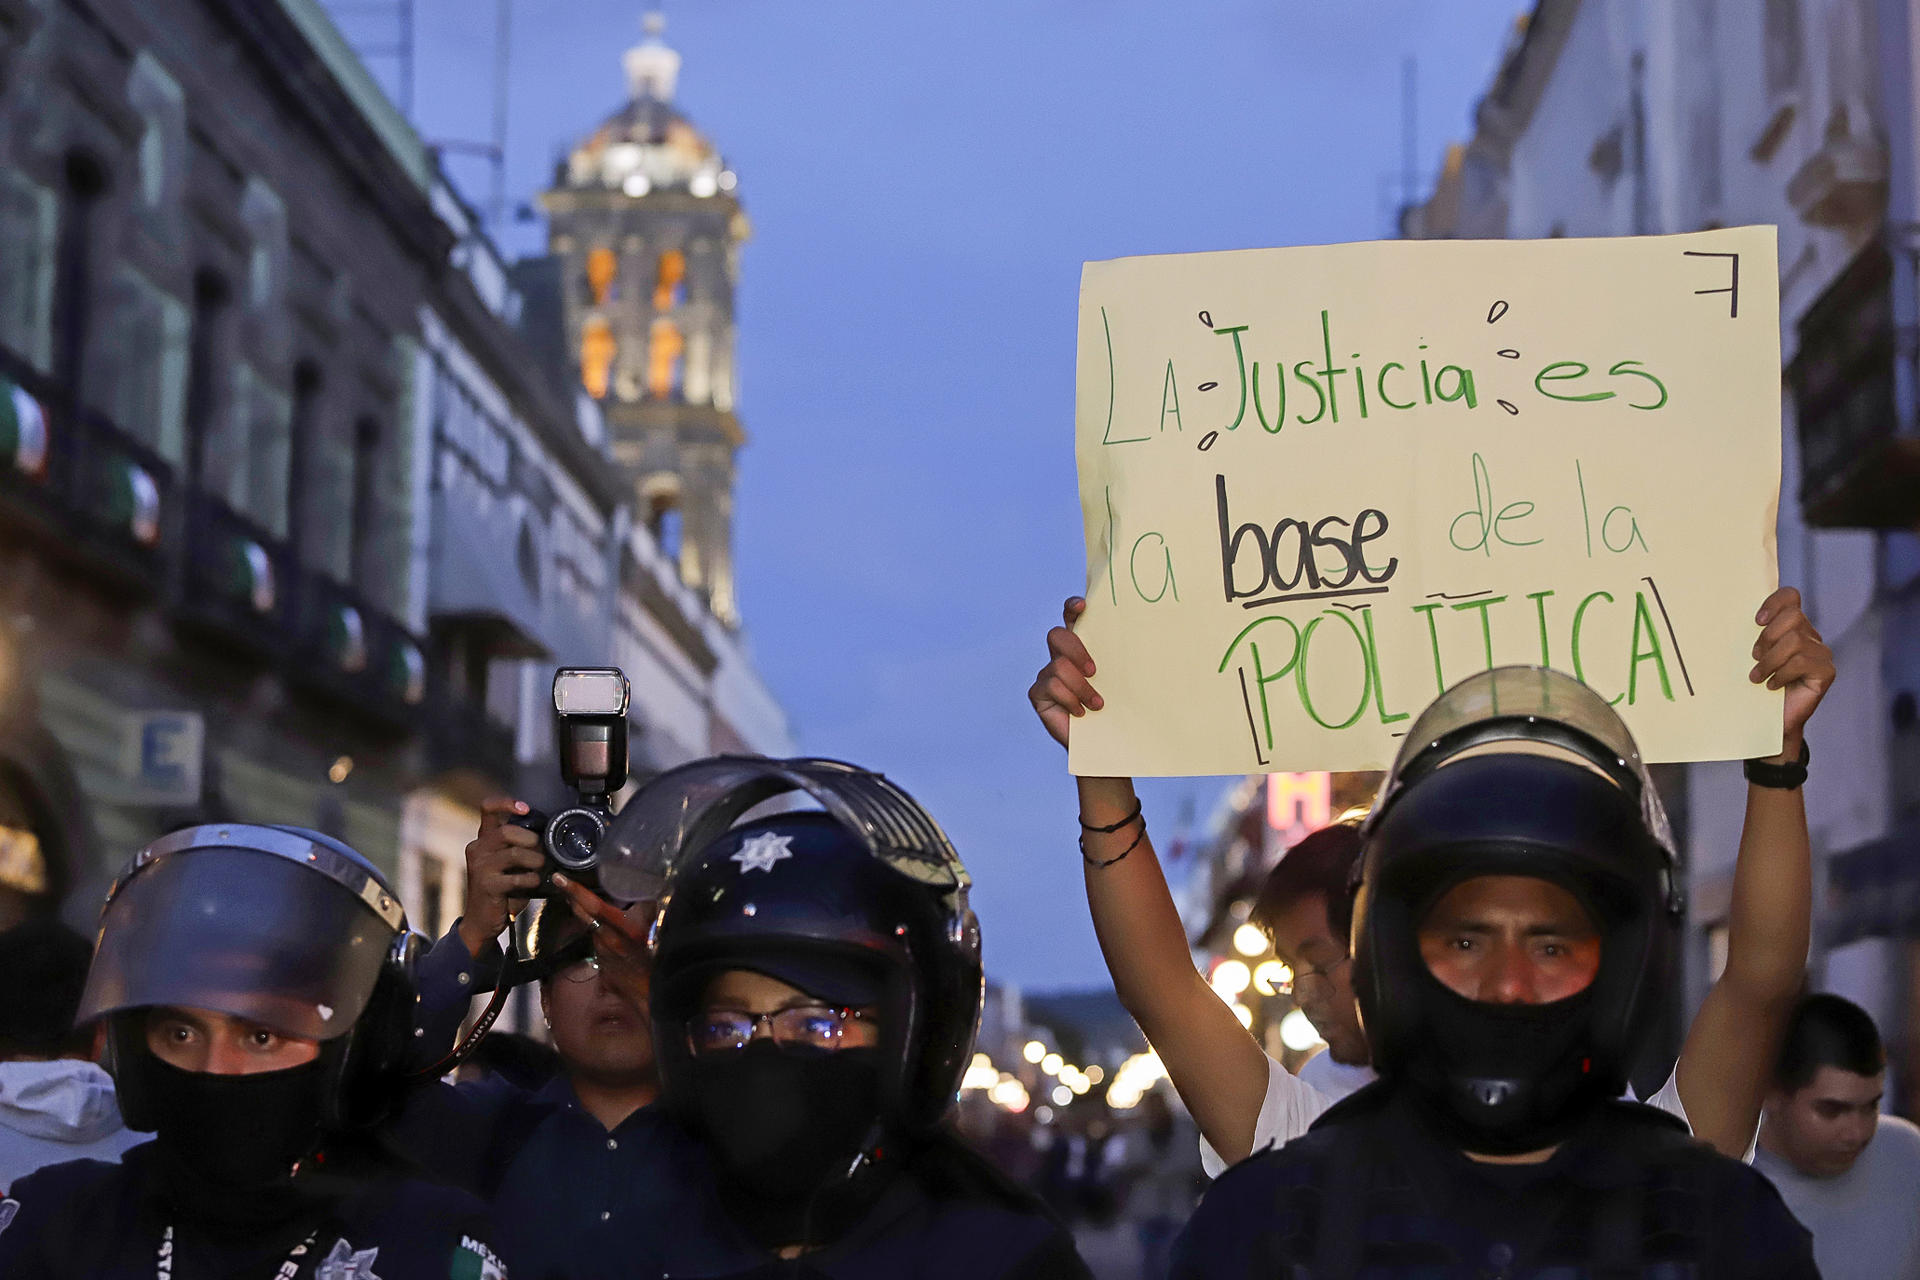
(785, 1128)
(227, 1143)
(1503, 1079)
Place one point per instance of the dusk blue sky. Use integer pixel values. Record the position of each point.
(925, 178)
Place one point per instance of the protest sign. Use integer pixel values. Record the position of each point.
(1322, 484)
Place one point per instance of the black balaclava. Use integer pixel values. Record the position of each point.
(786, 1128)
(228, 1144)
(1481, 1048)
(1480, 1051)
(797, 1134)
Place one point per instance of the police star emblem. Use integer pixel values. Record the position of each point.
(347, 1263)
(759, 853)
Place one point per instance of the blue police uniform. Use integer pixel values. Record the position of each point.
(88, 1220)
(573, 1200)
(1371, 1191)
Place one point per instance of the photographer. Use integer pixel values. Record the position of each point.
(572, 1169)
(256, 985)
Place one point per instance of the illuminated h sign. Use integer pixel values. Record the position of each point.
(1298, 803)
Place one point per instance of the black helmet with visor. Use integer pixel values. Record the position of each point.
(279, 926)
(862, 896)
(1516, 771)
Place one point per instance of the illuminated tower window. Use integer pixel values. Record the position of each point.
(670, 287)
(597, 349)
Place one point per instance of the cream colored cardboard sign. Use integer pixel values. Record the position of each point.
(1322, 484)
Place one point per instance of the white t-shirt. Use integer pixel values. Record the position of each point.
(1293, 1103)
(1863, 1221)
(1335, 1079)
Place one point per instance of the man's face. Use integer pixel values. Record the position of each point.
(1322, 975)
(1823, 1127)
(597, 1031)
(1510, 940)
(221, 1044)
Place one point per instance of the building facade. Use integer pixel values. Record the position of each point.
(293, 525)
(1618, 117)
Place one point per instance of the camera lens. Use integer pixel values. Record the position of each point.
(573, 838)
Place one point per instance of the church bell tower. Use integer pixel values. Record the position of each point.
(645, 226)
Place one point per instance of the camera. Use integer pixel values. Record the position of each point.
(590, 730)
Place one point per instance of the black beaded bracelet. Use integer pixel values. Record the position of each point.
(1109, 830)
(1098, 863)
(1781, 777)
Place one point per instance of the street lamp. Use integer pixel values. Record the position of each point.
(1034, 1051)
(1230, 978)
(1250, 940)
(1297, 1033)
(1272, 978)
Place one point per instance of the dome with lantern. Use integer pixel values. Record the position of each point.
(648, 145)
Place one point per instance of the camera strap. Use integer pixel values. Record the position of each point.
(510, 977)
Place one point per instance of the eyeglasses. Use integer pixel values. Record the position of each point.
(814, 1027)
(1324, 972)
(585, 969)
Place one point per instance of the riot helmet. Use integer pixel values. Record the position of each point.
(861, 899)
(1516, 771)
(280, 926)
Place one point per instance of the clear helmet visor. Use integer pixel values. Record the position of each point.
(243, 932)
(676, 815)
(1533, 710)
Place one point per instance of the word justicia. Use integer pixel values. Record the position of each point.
(1362, 389)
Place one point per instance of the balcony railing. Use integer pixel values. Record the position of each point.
(238, 578)
(1855, 382)
(347, 650)
(99, 498)
(93, 491)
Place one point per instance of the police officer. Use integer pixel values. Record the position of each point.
(1515, 934)
(816, 987)
(256, 986)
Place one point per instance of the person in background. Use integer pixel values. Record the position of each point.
(570, 1164)
(1850, 1174)
(1245, 1101)
(1306, 910)
(56, 1104)
(1161, 1179)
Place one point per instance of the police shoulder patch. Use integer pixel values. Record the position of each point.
(348, 1263)
(474, 1261)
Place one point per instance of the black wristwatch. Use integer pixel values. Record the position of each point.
(1783, 777)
